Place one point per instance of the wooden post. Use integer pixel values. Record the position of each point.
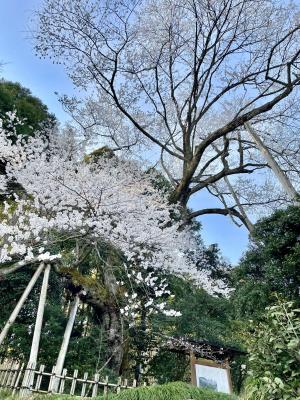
(39, 317)
(15, 375)
(74, 381)
(105, 389)
(52, 377)
(16, 385)
(83, 389)
(95, 385)
(119, 384)
(6, 374)
(65, 343)
(28, 377)
(281, 176)
(39, 378)
(62, 381)
(22, 300)
(193, 368)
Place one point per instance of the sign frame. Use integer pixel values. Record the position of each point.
(209, 363)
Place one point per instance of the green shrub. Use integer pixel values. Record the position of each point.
(171, 391)
(168, 391)
(274, 363)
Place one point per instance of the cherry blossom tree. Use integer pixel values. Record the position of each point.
(62, 195)
(65, 206)
(183, 77)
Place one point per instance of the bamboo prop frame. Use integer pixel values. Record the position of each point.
(21, 302)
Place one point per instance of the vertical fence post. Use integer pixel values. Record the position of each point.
(6, 374)
(52, 377)
(39, 378)
(105, 390)
(16, 385)
(14, 375)
(95, 385)
(28, 379)
(83, 389)
(74, 381)
(119, 385)
(62, 381)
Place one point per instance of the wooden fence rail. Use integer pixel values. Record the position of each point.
(31, 379)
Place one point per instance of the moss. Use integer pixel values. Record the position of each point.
(90, 281)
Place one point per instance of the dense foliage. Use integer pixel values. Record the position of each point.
(170, 391)
(30, 109)
(270, 266)
(274, 362)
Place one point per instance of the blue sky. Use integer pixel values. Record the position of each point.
(44, 79)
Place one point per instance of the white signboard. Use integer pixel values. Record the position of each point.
(213, 378)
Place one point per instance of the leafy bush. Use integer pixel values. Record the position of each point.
(171, 391)
(168, 391)
(275, 355)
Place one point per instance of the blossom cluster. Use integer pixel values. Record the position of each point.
(147, 292)
(60, 194)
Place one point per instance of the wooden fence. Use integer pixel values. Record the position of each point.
(28, 379)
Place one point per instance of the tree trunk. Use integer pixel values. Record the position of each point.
(113, 328)
(22, 300)
(281, 176)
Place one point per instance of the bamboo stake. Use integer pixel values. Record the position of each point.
(22, 300)
(281, 176)
(238, 203)
(65, 343)
(28, 377)
(39, 317)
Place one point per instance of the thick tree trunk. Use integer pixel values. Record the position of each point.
(22, 300)
(281, 176)
(113, 322)
(107, 312)
(113, 328)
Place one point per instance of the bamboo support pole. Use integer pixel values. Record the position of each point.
(65, 343)
(39, 317)
(28, 376)
(281, 176)
(20, 303)
(239, 205)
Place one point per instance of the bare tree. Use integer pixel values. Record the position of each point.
(185, 75)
